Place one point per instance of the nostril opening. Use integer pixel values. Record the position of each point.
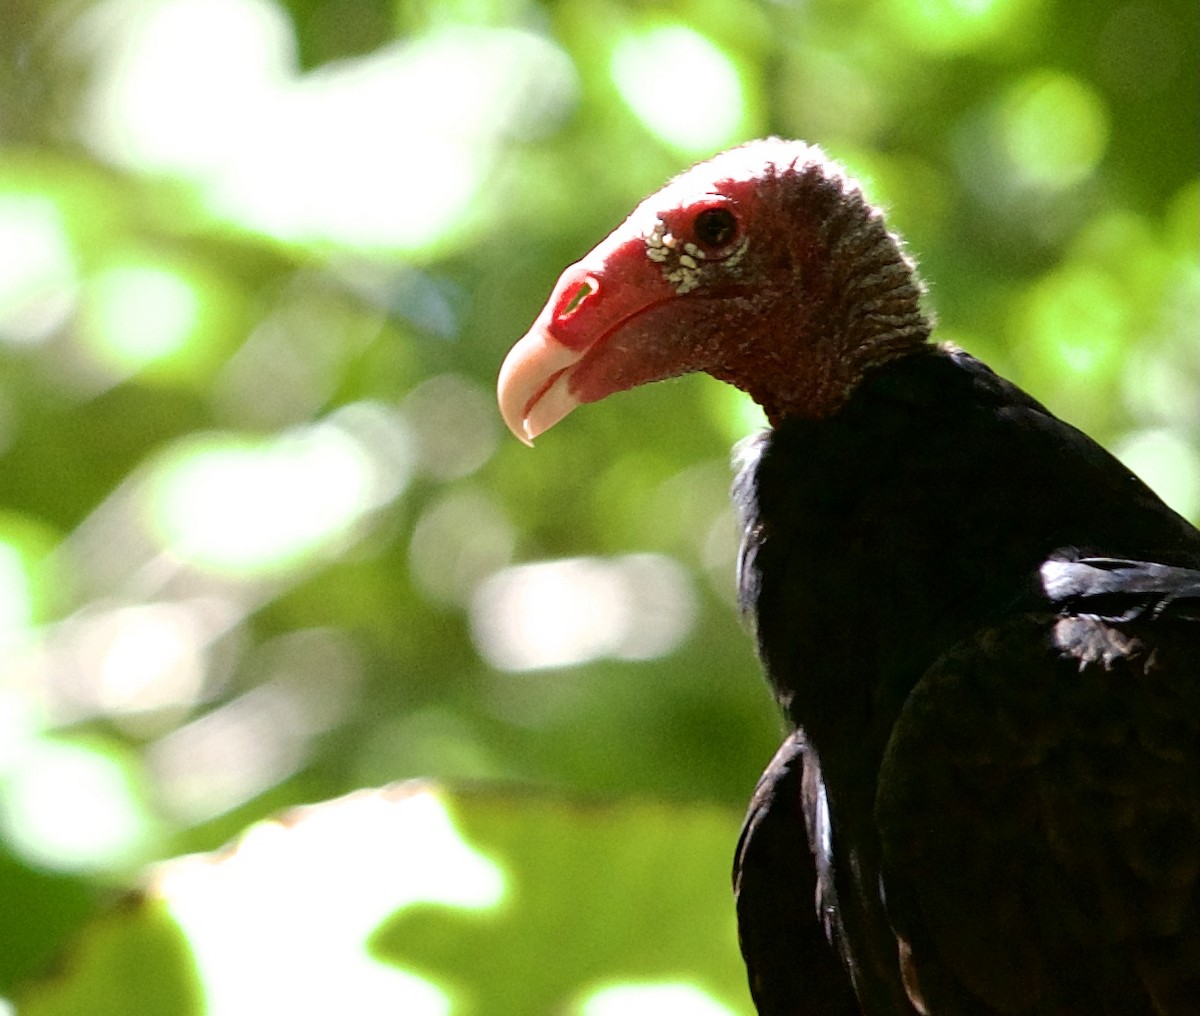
(586, 288)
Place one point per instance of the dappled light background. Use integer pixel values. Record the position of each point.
(263, 538)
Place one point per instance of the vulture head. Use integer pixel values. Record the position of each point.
(764, 267)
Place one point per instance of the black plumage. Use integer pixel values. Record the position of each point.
(989, 632)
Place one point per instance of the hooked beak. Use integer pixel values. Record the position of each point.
(534, 384)
(569, 357)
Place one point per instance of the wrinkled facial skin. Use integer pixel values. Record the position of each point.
(655, 299)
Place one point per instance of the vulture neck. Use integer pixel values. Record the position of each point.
(849, 299)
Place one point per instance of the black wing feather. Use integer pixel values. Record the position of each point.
(791, 967)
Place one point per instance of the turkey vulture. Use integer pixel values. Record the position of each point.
(983, 630)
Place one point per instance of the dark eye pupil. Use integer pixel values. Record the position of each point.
(715, 226)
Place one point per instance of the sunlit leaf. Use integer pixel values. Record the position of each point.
(74, 806)
(685, 89)
(38, 273)
(241, 505)
(363, 153)
(1055, 129)
(951, 26)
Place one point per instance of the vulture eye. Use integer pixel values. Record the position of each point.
(715, 227)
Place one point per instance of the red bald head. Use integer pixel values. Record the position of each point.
(734, 268)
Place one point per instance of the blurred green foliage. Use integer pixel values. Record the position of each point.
(561, 928)
(260, 528)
